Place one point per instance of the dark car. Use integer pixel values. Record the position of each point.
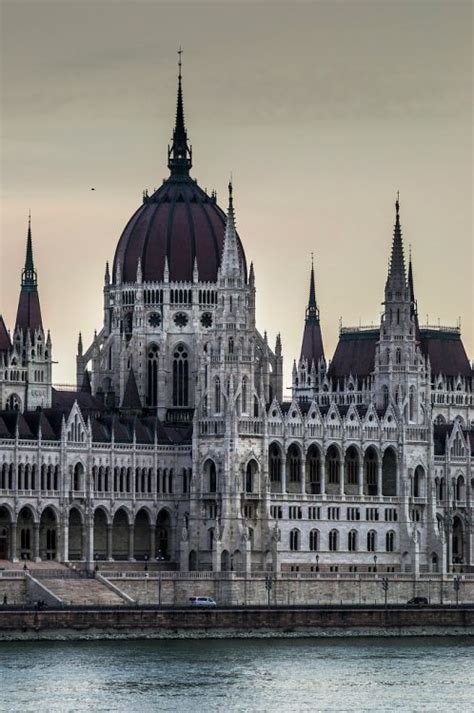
(417, 602)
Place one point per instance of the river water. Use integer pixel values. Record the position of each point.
(423, 674)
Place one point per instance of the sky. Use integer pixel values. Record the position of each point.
(320, 110)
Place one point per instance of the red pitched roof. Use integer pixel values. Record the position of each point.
(446, 352)
(28, 315)
(355, 354)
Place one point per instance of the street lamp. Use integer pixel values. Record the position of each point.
(268, 586)
(385, 588)
(146, 563)
(456, 585)
(375, 563)
(317, 563)
(96, 557)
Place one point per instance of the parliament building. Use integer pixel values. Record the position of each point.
(176, 443)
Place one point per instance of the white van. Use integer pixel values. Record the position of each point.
(202, 602)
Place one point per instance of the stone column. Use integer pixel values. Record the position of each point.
(323, 475)
(109, 553)
(341, 471)
(379, 477)
(64, 539)
(131, 543)
(284, 467)
(303, 475)
(152, 542)
(89, 541)
(36, 542)
(360, 484)
(13, 550)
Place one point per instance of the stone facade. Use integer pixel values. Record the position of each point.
(177, 445)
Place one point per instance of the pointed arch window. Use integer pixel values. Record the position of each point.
(180, 376)
(152, 376)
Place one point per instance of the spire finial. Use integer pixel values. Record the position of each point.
(180, 52)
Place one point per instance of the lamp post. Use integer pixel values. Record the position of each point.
(159, 559)
(385, 589)
(268, 586)
(456, 585)
(96, 558)
(375, 563)
(147, 557)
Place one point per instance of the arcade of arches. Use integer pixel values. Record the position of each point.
(351, 473)
(102, 537)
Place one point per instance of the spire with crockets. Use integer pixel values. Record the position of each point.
(396, 273)
(28, 276)
(312, 345)
(179, 153)
(28, 315)
(230, 261)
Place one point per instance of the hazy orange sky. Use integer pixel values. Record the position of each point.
(321, 110)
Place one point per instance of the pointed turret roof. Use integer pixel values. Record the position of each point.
(396, 272)
(179, 153)
(131, 397)
(230, 262)
(29, 311)
(413, 302)
(312, 346)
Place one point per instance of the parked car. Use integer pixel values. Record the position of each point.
(417, 602)
(202, 602)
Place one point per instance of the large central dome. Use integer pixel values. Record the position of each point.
(180, 222)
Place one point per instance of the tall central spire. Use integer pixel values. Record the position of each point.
(179, 153)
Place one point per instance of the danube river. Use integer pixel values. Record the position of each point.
(423, 674)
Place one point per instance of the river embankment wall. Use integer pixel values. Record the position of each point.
(122, 623)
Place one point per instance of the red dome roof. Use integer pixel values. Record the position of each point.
(179, 222)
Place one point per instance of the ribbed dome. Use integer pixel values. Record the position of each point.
(179, 222)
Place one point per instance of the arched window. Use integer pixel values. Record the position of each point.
(152, 376)
(180, 376)
(333, 541)
(370, 465)
(77, 477)
(13, 403)
(460, 489)
(332, 460)
(398, 356)
(250, 473)
(294, 463)
(211, 475)
(390, 541)
(371, 541)
(314, 540)
(418, 481)
(217, 395)
(352, 466)
(352, 541)
(294, 540)
(275, 463)
(313, 471)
